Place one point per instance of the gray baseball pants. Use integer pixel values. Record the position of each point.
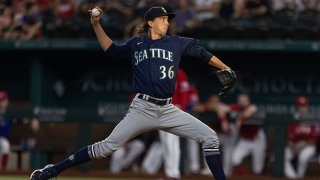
(144, 116)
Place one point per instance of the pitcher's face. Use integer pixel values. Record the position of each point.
(160, 25)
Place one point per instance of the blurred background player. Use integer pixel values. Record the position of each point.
(302, 138)
(5, 129)
(252, 139)
(214, 114)
(6, 124)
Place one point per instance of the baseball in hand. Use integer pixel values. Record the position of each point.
(95, 12)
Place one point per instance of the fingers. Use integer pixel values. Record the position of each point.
(99, 9)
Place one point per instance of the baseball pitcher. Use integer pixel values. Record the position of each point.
(155, 59)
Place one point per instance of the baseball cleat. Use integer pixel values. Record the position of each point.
(47, 173)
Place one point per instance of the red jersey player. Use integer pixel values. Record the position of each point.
(301, 145)
(252, 138)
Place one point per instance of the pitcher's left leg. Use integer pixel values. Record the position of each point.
(177, 122)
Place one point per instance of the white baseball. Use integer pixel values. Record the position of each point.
(95, 12)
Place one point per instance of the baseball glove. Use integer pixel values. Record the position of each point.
(227, 78)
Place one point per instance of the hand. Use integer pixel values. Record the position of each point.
(95, 19)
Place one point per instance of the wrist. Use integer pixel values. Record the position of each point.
(95, 24)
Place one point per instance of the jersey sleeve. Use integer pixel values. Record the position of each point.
(191, 47)
(120, 50)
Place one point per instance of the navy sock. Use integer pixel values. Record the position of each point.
(213, 159)
(81, 156)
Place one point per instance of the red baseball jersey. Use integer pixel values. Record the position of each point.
(247, 131)
(193, 95)
(303, 132)
(181, 93)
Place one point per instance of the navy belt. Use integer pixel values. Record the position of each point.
(160, 102)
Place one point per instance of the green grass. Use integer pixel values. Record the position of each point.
(65, 178)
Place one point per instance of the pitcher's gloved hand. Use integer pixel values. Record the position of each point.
(227, 78)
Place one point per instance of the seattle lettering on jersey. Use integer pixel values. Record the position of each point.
(154, 53)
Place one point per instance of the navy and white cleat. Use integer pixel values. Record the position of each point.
(47, 173)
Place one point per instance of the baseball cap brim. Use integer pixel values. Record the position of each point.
(170, 16)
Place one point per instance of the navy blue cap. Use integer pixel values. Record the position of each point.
(157, 11)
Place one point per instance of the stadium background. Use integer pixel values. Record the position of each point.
(79, 94)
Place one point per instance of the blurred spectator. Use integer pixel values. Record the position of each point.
(185, 19)
(64, 9)
(308, 13)
(225, 19)
(251, 8)
(5, 21)
(227, 9)
(45, 5)
(252, 140)
(277, 5)
(206, 9)
(168, 5)
(15, 30)
(302, 137)
(32, 22)
(308, 5)
(118, 15)
(284, 12)
(119, 9)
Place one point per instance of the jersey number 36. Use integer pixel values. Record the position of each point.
(165, 73)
